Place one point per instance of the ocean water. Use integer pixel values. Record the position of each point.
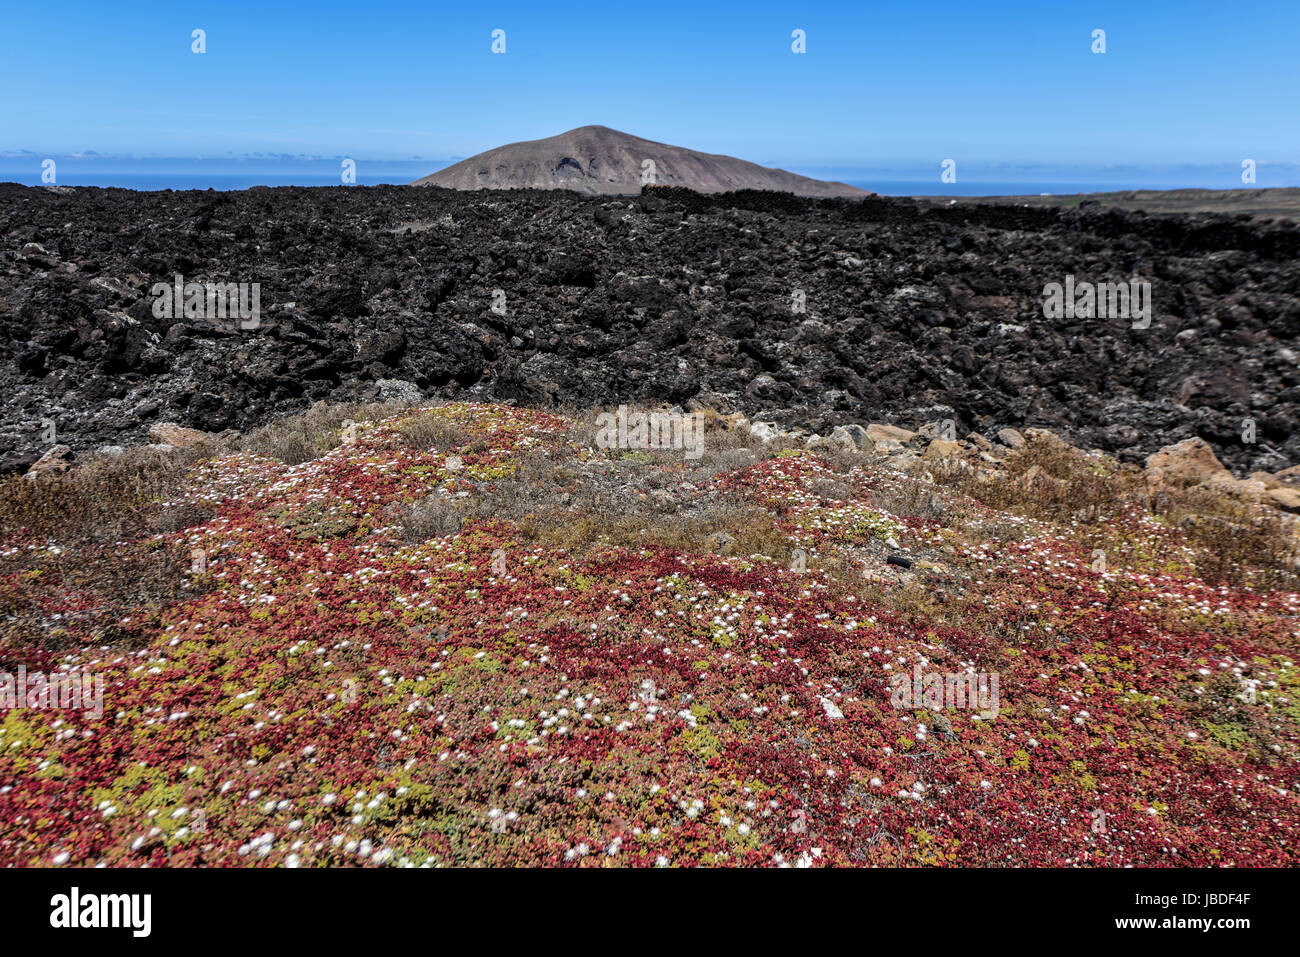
(234, 181)
(200, 174)
(179, 174)
(221, 181)
(983, 179)
(1010, 188)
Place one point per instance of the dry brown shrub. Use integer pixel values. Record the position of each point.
(721, 435)
(431, 517)
(309, 435)
(536, 482)
(843, 459)
(1044, 481)
(1236, 541)
(119, 587)
(725, 530)
(432, 430)
(1239, 542)
(105, 498)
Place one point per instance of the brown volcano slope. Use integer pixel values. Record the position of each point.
(596, 160)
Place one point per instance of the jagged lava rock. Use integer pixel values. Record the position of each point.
(543, 297)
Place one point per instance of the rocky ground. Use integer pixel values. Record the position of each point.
(912, 313)
(1278, 201)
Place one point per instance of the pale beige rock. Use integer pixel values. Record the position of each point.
(877, 431)
(1011, 438)
(1046, 437)
(1036, 480)
(1225, 480)
(54, 462)
(1289, 476)
(1285, 498)
(907, 462)
(1184, 463)
(855, 435)
(1268, 478)
(1242, 488)
(177, 436)
(841, 439)
(1250, 488)
(940, 449)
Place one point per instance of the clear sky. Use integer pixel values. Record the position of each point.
(1014, 81)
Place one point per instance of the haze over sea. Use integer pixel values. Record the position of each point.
(912, 179)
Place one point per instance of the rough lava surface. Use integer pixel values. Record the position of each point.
(914, 312)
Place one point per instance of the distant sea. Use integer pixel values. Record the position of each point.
(146, 174)
(202, 174)
(1009, 188)
(219, 181)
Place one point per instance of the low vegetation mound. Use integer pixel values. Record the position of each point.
(468, 634)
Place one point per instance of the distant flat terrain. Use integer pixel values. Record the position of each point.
(1280, 202)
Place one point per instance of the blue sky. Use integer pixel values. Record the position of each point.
(1010, 82)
